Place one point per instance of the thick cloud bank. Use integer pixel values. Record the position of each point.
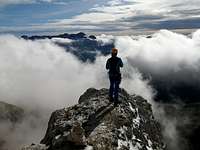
(39, 73)
(40, 76)
(171, 63)
(169, 60)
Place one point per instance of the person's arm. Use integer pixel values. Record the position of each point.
(121, 63)
(108, 64)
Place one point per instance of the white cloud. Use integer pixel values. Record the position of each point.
(40, 75)
(118, 11)
(171, 59)
(32, 69)
(51, 27)
(164, 52)
(61, 40)
(116, 15)
(40, 71)
(46, 71)
(105, 39)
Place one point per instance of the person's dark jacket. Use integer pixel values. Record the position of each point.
(113, 64)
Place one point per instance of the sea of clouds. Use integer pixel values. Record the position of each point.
(40, 76)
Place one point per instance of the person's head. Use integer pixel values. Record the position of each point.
(114, 52)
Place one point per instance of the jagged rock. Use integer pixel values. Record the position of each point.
(92, 37)
(97, 124)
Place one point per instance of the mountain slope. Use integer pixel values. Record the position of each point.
(10, 112)
(96, 124)
(84, 47)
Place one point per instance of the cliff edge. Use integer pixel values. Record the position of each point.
(95, 124)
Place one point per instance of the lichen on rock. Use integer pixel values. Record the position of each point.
(95, 123)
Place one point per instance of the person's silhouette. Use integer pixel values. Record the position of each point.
(113, 64)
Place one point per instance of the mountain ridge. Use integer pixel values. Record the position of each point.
(96, 124)
(84, 47)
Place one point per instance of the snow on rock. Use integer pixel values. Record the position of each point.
(95, 124)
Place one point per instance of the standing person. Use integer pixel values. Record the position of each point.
(114, 64)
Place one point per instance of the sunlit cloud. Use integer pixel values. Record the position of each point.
(135, 14)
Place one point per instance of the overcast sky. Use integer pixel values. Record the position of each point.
(31, 16)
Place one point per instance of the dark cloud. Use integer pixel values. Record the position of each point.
(171, 24)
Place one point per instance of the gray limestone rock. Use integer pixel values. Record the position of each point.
(96, 124)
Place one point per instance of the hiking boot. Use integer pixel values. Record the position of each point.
(119, 102)
(111, 99)
(116, 104)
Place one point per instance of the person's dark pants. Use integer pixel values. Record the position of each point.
(114, 87)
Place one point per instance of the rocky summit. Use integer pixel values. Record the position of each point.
(95, 124)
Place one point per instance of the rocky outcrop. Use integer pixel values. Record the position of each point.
(10, 112)
(96, 124)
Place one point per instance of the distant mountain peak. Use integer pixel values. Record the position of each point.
(76, 36)
(85, 47)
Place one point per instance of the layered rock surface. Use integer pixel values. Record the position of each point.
(94, 123)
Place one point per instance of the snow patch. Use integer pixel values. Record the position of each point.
(66, 133)
(62, 40)
(136, 121)
(149, 147)
(89, 148)
(136, 147)
(58, 136)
